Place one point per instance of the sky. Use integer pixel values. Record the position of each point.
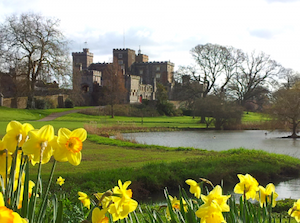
(166, 30)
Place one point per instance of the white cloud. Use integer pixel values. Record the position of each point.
(168, 30)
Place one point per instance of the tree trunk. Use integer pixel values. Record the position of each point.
(112, 110)
(294, 134)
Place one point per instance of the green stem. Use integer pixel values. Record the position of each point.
(35, 193)
(43, 206)
(6, 174)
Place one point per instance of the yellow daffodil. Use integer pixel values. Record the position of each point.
(104, 199)
(122, 202)
(209, 214)
(70, 145)
(98, 216)
(175, 205)
(40, 141)
(194, 188)
(60, 181)
(7, 215)
(216, 197)
(16, 135)
(295, 211)
(122, 211)
(248, 186)
(214, 205)
(3, 163)
(266, 194)
(31, 184)
(85, 200)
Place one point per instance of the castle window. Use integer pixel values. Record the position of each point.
(141, 71)
(120, 61)
(158, 68)
(157, 76)
(120, 55)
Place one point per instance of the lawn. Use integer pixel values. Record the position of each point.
(76, 120)
(150, 168)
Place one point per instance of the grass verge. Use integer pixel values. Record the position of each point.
(152, 168)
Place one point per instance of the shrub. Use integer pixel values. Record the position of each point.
(40, 104)
(69, 103)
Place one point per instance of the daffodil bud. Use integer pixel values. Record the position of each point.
(19, 138)
(44, 144)
(108, 193)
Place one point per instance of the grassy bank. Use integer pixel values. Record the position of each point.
(151, 168)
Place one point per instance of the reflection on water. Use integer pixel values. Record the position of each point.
(289, 189)
(224, 140)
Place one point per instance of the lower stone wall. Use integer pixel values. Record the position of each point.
(22, 101)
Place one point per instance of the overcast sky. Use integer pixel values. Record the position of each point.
(169, 29)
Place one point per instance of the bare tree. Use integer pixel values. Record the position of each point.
(38, 46)
(210, 59)
(255, 72)
(114, 91)
(286, 108)
(289, 77)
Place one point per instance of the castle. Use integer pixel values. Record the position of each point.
(140, 75)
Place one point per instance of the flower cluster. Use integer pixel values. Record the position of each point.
(22, 144)
(215, 203)
(249, 188)
(117, 202)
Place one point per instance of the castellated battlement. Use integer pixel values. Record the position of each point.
(124, 49)
(102, 63)
(156, 62)
(84, 53)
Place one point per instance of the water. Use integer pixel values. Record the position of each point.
(224, 140)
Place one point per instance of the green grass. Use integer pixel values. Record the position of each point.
(76, 120)
(254, 117)
(152, 168)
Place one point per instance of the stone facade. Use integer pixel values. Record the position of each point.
(140, 75)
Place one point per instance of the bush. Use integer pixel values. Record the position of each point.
(44, 103)
(40, 104)
(69, 103)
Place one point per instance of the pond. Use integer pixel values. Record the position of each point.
(224, 140)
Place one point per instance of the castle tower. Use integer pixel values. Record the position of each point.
(125, 58)
(141, 58)
(84, 58)
(81, 61)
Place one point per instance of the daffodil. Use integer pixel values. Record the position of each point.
(248, 186)
(295, 211)
(31, 184)
(70, 145)
(85, 200)
(266, 194)
(60, 181)
(98, 216)
(16, 135)
(209, 214)
(122, 211)
(104, 199)
(214, 205)
(3, 163)
(122, 203)
(175, 203)
(7, 215)
(194, 188)
(39, 145)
